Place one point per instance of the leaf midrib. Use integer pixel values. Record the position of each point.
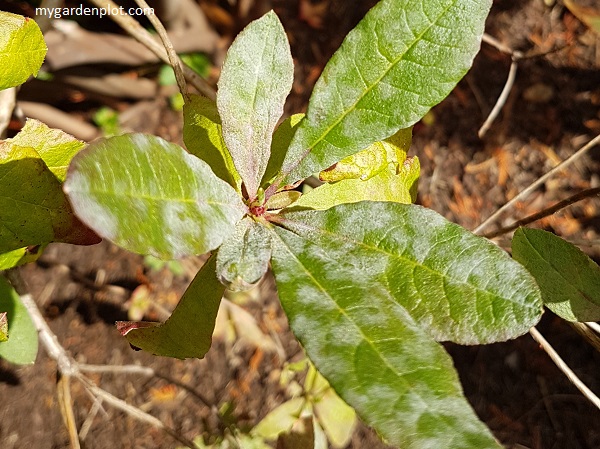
(344, 312)
(399, 375)
(366, 91)
(391, 255)
(191, 201)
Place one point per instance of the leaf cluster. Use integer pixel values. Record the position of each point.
(370, 282)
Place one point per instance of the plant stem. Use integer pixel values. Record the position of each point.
(510, 81)
(138, 32)
(534, 185)
(545, 212)
(174, 60)
(564, 367)
(69, 368)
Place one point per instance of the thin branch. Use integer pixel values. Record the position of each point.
(545, 212)
(501, 47)
(66, 409)
(138, 32)
(564, 164)
(587, 333)
(510, 81)
(144, 371)
(117, 369)
(87, 424)
(594, 326)
(68, 367)
(133, 411)
(564, 367)
(173, 58)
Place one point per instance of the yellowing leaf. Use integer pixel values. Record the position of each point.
(55, 147)
(385, 186)
(367, 163)
(22, 49)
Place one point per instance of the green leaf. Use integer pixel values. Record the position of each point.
(569, 279)
(244, 256)
(22, 345)
(55, 147)
(458, 286)
(362, 165)
(282, 199)
(379, 173)
(107, 119)
(364, 342)
(403, 58)
(256, 78)
(198, 62)
(151, 196)
(203, 138)
(20, 256)
(188, 331)
(22, 49)
(367, 163)
(37, 212)
(281, 141)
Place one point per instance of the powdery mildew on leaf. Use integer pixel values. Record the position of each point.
(458, 286)
(403, 58)
(370, 349)
(256, 78)
(151, 197)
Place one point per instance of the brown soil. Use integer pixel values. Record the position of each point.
(552, 110)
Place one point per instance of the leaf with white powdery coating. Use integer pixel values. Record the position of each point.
(458, 286)
(256, 78)
(151, 196)
(403, 58)
(22, 49)
(244, 256)
(188, 331)
(368, 347)
(568, 278)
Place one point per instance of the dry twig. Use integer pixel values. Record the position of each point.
(564, 164)
(68, 368)
(564, 367)
(174, 60)
(133, 27)
(510, 81)
(545, 212)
